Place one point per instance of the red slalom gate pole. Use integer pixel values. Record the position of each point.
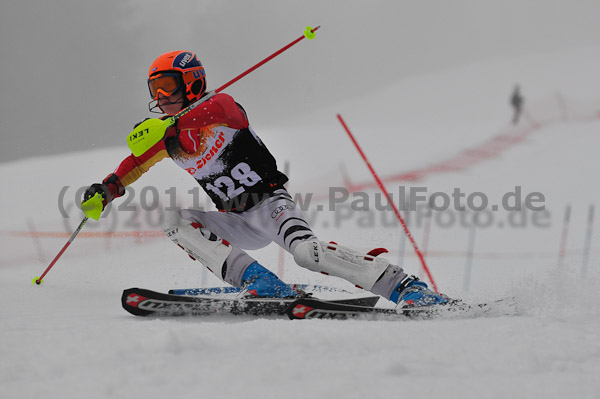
(387, 196)
(38, 280)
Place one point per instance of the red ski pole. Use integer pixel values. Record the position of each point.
(387, 196)
(309, 33)
(38, 280)
(92, 208)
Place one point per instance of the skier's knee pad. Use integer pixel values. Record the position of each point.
(199, 243)
(361, 270)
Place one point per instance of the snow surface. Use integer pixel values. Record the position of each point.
(69, 338)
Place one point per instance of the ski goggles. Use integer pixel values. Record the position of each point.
(164, 83)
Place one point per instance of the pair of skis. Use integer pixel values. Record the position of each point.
(143, 302)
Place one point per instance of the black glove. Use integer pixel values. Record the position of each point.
(96, 188)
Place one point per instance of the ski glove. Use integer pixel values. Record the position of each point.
(99, 188)
(94, 200)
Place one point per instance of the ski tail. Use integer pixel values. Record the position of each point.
(309, 308)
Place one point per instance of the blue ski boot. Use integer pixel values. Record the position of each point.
(413, 292)
(258, 281)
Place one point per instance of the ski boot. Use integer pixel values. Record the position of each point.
(257, 281)
(412, 292)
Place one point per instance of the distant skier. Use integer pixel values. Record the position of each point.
(216, 145)
(516, 100)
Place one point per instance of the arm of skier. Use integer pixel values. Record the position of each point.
(128, 171)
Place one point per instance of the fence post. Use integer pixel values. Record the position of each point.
(403, 238)
(563, 107)
(36, 241)
(470, 250)
(588, 240)
(426, 233)
(564, 236)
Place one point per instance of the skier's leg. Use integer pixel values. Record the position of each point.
(227, 262)
(219, 256)
(366, 271)
(233, 227)
(278, 219)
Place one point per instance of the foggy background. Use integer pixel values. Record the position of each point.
(80, 67)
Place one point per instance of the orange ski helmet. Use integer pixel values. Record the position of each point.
(188, 74)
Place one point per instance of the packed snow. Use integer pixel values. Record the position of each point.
(70, 338)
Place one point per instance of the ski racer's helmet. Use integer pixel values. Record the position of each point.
(174, 71)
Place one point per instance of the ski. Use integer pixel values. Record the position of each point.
(311, 288)
(143, 302)
(309, 308)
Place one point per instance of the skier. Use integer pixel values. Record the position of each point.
(216, 145)
(516, 100)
